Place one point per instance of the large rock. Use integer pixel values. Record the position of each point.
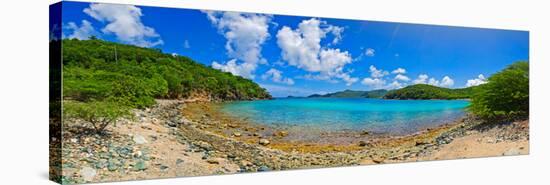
(88, 174)
(139, 139)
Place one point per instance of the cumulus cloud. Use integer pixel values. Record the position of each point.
(245, 34)
(336, 32)
(124, 21)
(301, 47)
(401, 77)
(476, 81)
(369, 52)
(446, 81)
(373, 82)
(377, 79)
(277, 76)
(422, 79)
(395, 85)
(243, 69)
(399, 71)
(377, 73)
(82, 32)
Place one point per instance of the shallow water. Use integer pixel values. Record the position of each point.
(337, 114)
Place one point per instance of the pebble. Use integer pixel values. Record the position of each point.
(179, 161)
(264, 142)
(139, 139)
(171, 123)
(139, 166)
(213, 161)
(237, 134)
(111, 166)
(88, 173)
(378, 160)
(246, 163)
(281, 134)
(362, 143)
(263, 169)
(164, 167)
(74, 140)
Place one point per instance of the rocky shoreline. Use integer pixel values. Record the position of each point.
(178, 138)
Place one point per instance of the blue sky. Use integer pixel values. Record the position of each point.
(292, 55)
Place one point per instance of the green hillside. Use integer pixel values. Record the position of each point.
(424, 91)
(103, 80)
(352, 94)
(96, 69)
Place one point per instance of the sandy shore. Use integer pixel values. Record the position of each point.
(175, 138)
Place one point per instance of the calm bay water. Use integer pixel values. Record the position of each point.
(336, 114)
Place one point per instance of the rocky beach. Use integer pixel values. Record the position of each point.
(178, 138)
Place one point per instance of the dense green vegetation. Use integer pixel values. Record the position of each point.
(424, 91)
(99, 74)
(99, 113)
(352, 94)
(505, 96)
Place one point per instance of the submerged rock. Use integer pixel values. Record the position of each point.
(281, 134)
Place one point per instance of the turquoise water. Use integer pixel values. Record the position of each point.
(336, 114)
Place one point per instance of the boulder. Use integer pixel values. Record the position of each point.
(88, 174)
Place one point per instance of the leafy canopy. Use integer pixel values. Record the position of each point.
(505, 96)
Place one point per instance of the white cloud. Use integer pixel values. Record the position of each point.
(336, 32)
(82, 32)
(422, 79)
(401, 77)
(301, 48)
(433, 82)
(124, 21)
(476, 81)
(377, 79)
(373, 82)
(245, 34)
(377, 73)
(399, 71)
(395, 85)
(369, 52)
(277, 76)
(243, 69)
(446, 81)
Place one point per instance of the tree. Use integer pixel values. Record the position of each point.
(99, 113)
(506, 95)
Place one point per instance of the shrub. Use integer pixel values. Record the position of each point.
(99, 113)
(506, 95)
